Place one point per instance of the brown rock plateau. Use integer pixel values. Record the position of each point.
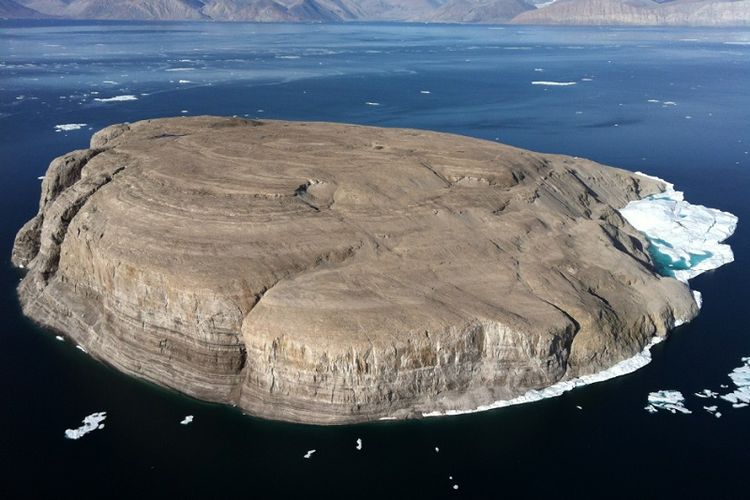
(331, 273)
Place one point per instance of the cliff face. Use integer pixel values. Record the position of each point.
(641, 12)
(332, 273)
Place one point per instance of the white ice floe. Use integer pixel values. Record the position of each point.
(539, 70)
(359, 444)
(587, 79)
(116, 98)
(90, 423)
(713, 410)
(425, 92)
(110, 82)
(654, 100)
(81, 348)
(706, 394)
(187, 420)
(173, 70)
(622, 368)
(309, 453)
(685, 239)
(671, 401)
(741, 378)
(370, 103)
(553, 84)
(184, 81)
(669, 103)
(65, 127)
(437, 450)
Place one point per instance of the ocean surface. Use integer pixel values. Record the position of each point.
(670, 102)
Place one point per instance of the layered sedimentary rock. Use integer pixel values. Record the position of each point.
(333, 273)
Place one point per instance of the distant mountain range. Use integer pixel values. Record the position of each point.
(581, 12)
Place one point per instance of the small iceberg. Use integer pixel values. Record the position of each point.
(553, 84)
(90, 424)
(371, 103)
(66, 127)
(309, 453)
(685, 240)
(359, 444)
(187, 420)
(117, 98)
(671, 401)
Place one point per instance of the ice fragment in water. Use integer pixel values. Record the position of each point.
(671, 401)
(90, 423)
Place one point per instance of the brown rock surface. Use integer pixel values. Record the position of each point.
(332, 273)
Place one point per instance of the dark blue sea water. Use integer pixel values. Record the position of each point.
(479, 84)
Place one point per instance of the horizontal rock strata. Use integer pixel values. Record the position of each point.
(330, 273)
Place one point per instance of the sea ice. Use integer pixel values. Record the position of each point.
(116, 98)
(65, 127)
(369, 103)
(90, 423)
(672, 401)
(685, 239)
(553, 84)
(359, 444)
(187, 420)
(741, 378)
(706, 393)
(309, 453)
(60, 338)
(184, 81)
(713, 410)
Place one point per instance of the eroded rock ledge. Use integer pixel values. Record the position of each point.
(332, 273)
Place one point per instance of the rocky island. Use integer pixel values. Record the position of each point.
(330, 273)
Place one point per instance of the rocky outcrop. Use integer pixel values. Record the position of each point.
(333, 273)
(641, 12)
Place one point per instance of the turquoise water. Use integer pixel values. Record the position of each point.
(479, 82)
(664, 263)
